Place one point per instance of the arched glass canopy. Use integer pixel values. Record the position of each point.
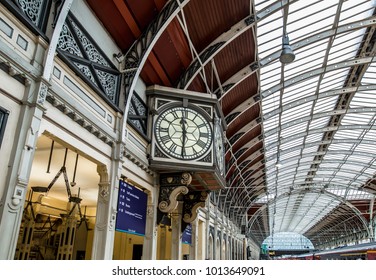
(318, 116)
(300, 145)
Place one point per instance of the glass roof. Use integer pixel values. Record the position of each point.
(287, 241)
(318, 111)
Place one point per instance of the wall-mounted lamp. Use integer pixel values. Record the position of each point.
(119, 57)
(287, 54)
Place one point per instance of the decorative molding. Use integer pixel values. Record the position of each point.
(144, 166)
(175, 179)
(122, 152)
(20, 77)
(42, 93)
(104, 184)
(150, 210)
(112, 222)
(80, 119)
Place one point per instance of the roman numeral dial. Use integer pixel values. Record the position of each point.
(183, 133)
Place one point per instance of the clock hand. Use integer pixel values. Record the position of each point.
(184, 131)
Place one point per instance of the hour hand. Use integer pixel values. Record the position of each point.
(184, 132)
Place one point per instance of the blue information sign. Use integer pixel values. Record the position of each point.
(131, 212)
(187, 235)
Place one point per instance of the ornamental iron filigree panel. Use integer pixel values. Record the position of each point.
(32, 12)
(138, 114)
(79, 51)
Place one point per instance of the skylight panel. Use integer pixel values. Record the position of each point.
(308, 159)
(325, 104)
(345, 47)
(270, 73)
(270, 124)
(261, 4)
(295, 129)
(312, 138)
(370, 134)
(270, 142)
(312, 61)
(340, 146)
(270, 103)
(357, 118)
(348, 134)
(337, 191)
(347, 42)
(363, 157)
(356, 167)
(285, 174)
(339, 74)
(297, 112)
(363, 99)
(292, 154)
(319, 123)
(346, 173)
(309, 19)
(329, 165)
(331, 85)
(366, 148)
(351, 12)
(298, 91)
(370, 75)
(336, 156)
(269, 39)
(309, 150)
(294, 143)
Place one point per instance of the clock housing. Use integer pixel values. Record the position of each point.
(182, 128)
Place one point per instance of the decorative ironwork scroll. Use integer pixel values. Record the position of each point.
(192, 201)
(171, 186)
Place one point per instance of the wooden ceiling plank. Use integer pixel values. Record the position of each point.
(128, 17)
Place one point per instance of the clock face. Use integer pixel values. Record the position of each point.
(219, 147)
(183, 133)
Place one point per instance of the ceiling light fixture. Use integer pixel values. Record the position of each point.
(287, 54)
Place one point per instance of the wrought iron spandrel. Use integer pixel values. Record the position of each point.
(80, 51)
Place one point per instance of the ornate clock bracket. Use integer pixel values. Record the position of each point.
(192, 201)
(171, 186)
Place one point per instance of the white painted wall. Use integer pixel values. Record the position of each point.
(8, 85)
